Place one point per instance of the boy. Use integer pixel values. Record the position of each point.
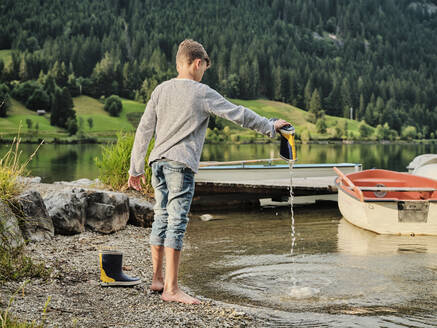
(177, 113)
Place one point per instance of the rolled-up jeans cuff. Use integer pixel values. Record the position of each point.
(175, 244)
(156, 241)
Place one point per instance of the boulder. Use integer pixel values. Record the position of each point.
(107, 211)
(37, 223)
(67, 208)
(10, 233)
(140, 212)
(81, 183)
(27, 180)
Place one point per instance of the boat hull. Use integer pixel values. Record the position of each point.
(383, 217)
(389, 215)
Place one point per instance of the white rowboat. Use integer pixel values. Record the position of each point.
(388, 202)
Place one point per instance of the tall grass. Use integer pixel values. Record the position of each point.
(115, 162)
(11, 168)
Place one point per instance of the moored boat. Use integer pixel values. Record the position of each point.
(388, 202)
(424, 165)
(243, 171)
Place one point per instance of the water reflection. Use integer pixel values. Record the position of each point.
(57, 162)
(384, 156)
(356, 241)
(338, 271)
(60, 162)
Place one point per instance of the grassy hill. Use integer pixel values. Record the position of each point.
(298, 117)
(105, 126)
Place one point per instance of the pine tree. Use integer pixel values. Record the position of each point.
(315, 106)
(23, 72)
(62, 108)
(308, 92)
(4, 100)
(346, 98)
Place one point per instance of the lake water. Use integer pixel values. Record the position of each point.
(338, 275)
(72, 162)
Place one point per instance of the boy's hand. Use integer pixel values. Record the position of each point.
(280, 123)
(134, 182)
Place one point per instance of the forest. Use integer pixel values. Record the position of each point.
(374, 60)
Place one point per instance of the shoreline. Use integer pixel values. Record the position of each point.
(92, 140)
(75, 297)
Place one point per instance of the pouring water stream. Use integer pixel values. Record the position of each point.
(288, 152)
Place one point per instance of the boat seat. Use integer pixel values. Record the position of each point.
(406, 189)
(376, 180)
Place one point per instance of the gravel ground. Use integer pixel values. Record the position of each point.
(77, 300)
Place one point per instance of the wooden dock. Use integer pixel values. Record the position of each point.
(236, 188)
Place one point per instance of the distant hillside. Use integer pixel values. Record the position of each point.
(377, 57)
(104, 126)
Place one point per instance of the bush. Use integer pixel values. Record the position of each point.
(72, 125)
(393, 134)
(38, 100)
(321, 125)
(409, 132)
(113, 105)
(364, 129)
(338, 132)
(24, 91)
(115, 163)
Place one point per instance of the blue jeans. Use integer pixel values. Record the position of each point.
(173, 183)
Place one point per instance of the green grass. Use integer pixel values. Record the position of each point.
(5, 55)
(298, 117)
(19, 113)
(104, 124)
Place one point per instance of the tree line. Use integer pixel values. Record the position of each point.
(375, 60)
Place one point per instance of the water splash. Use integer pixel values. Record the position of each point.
(303, 292)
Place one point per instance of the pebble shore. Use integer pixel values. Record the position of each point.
(76, 299)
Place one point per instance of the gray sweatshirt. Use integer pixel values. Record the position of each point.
(178, 113)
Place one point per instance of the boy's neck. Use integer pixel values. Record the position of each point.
(185, 75)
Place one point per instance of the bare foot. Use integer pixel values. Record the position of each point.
(179, 296)
(157, 286)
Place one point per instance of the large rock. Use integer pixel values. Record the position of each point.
(81, 183)
(107, 211)
(37, 223)
(67, 209)
(10, 233)
(141, 212)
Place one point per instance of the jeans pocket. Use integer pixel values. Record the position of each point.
(175, 166)
(179, 179)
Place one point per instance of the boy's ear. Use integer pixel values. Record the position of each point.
(197, 62)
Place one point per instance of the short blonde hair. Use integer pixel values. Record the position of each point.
(189, 50)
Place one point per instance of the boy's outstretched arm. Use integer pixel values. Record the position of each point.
(144, 134)
(218, 105)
